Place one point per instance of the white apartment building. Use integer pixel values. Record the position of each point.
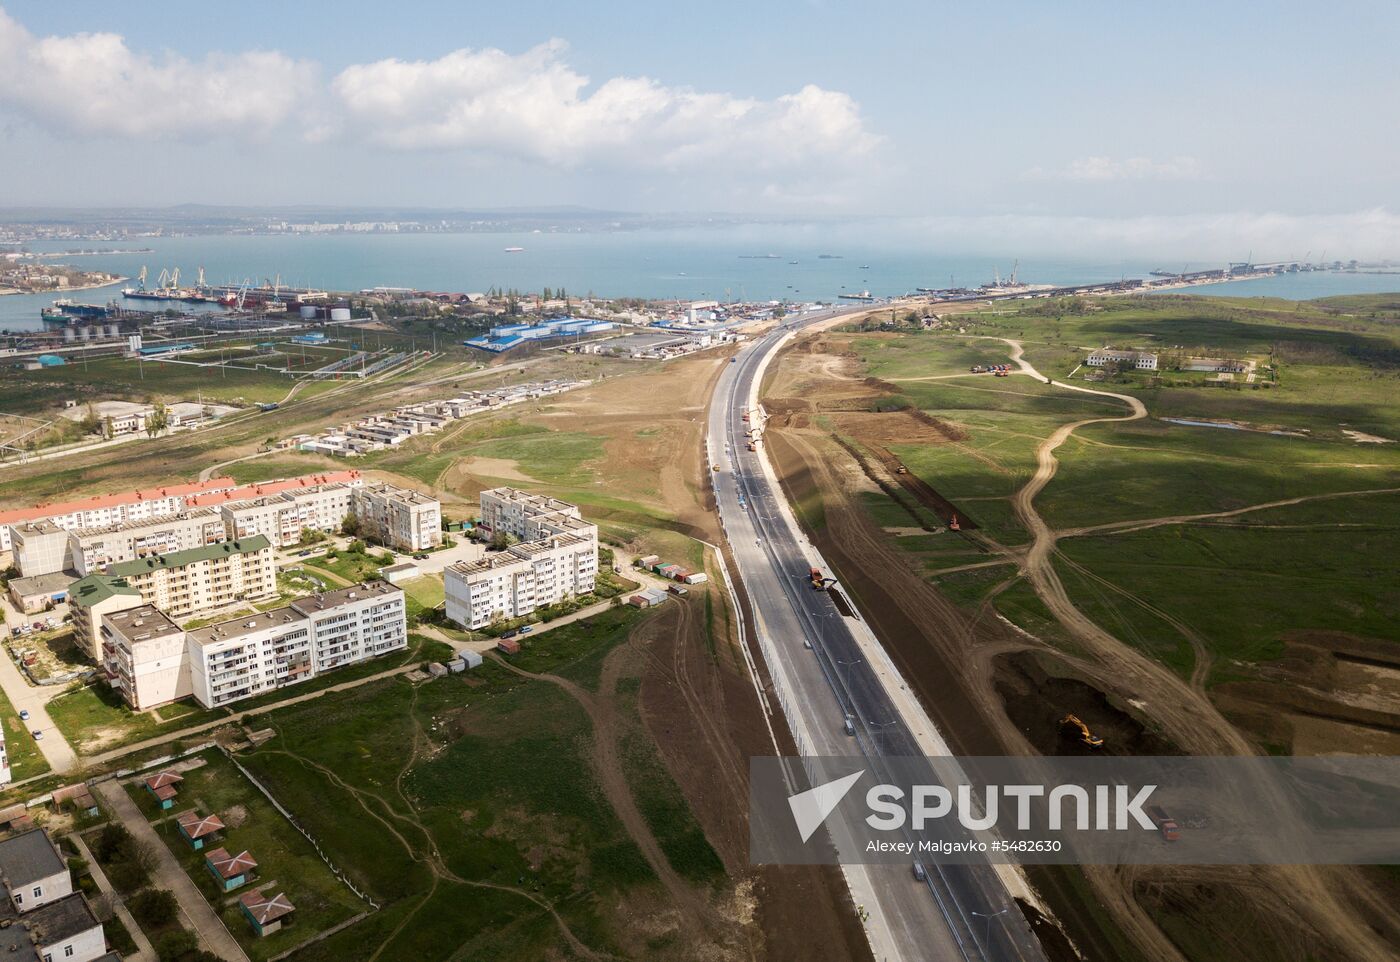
(1140, 360)
(40, 548)
(91, 549)
(398, 518)
(143, 654)
(106, 510)
(6, 776)
(281, 517)
(529, 517)
(520, 579)
(256, 653)
(203, 578)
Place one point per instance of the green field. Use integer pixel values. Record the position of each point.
(1239, 583)
(284, 856)
(93, 718)
(499, 785)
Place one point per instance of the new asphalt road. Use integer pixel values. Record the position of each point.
(959, 912)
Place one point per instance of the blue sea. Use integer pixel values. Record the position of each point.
(753, 262)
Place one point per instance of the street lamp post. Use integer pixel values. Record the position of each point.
(988, 916)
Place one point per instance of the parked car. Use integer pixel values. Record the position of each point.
(24, 714)
(37, 734)
(526, 629)
(420, 556)
(510, 634)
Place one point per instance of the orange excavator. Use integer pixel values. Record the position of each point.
(1085, 736)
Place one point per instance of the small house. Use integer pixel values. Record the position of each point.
(437, 669)
(162, 788)
(265, 913)
(637, 601)
(647, 561)
(508, 645)
(198, 829)
(470, 659)
(230, 871)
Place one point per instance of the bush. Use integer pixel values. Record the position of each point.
(154, 908)
(176, 946)
(127, 876)
(114, 843)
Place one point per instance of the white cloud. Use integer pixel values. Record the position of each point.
(92, 83)
(1105, 169)
(535, 106)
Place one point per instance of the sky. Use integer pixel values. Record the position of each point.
(1107, 122)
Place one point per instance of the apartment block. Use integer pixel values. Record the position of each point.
(529, 517)
(92, 549)
(40, 548)
(112, 509)
(250, 655)
(203, 578)
(93, 598)
(557, 560)
(279, 510)
(143, 654)
(398, 518)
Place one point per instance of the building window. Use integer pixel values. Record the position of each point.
(38, 892)
(19, 898)
(67, 951)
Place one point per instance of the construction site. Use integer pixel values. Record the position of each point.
(1054, 682)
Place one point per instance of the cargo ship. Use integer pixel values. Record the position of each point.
(65, 312)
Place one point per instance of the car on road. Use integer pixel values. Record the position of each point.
(919, 872)
(526, 629)
(37, 734)
(421, 556)
(24, 714)
(303, 554)
(510, 634)
(850, 725)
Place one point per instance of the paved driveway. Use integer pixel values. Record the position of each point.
(198, 916)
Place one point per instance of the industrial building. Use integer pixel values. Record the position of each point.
(556, 558)
(506, 336)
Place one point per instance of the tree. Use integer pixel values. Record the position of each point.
(502, 540)
(158, 420)
(312, 536)
(91, 423)
(350, 527)
(154, 908)
(176, 945)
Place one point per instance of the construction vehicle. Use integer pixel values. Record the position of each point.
(1164, 822)
(1085, 736)
(714, 467)
(815, 577)
(1002, 374)
(752, 447)
(953, 524)
(901, 470)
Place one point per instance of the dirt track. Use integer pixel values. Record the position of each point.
(951, 659)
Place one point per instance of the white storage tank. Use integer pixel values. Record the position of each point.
(308, 312)
(69, 334)
(340, 313)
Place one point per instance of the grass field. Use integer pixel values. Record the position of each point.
(94, 718)
(484, 799)
(1238, 584)
(285, 858)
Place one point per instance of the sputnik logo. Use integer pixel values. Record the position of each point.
(810, 808)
